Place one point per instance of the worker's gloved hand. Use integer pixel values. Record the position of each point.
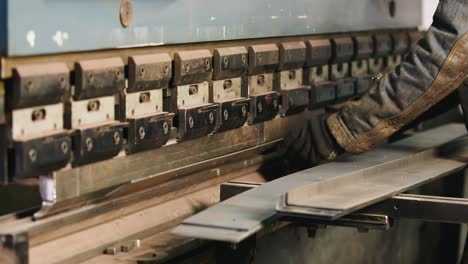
(308, 144)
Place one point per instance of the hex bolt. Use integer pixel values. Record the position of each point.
(165, 128)
(244, 111)
(193, 89)
(94, 105)
(38, 115)
(225, 114)
(211, 117)
(89, 144)
(141, 132)
(261, 80)
(191, 122)
(32, 155)
(275, 103)
(116, 138)
(260, 107)
(292, 75)
(64, 147)
(145, 97)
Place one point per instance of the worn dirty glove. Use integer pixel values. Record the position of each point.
(308, 144)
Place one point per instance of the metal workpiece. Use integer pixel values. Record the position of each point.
(292, 55)
(229, 62)
(192, 67)
(98, 78)
(414, 161)
(149, 72)
(40, 155)
(38, 84)
(263, 58)
(97, 143)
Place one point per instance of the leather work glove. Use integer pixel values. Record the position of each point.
(308, 144)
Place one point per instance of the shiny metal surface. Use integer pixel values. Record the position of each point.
(245, 214)
(184, 21)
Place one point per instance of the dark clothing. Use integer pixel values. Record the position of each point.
(437, 66)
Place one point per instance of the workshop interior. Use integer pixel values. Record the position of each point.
(149, 132)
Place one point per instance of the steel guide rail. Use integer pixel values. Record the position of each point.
(132, 102)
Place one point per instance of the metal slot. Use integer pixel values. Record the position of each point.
(359, 68)
(192, 94)
(393, 61)
(290, 79)
(376, 65)
(143, 103)
(261, 83)
(227, 89)
(318, 74)
(82, 116)
(339, 71)
(33, 121)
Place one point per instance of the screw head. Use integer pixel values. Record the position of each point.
(211, 117)
(244, 111)
(141, 132)
(64, 147)
(32, 155)
(191, 123)
(165, 128)
(116, 138)
(225, 114)
(89, 144)
(260, 107)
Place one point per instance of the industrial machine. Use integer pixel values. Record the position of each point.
(120, 119)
